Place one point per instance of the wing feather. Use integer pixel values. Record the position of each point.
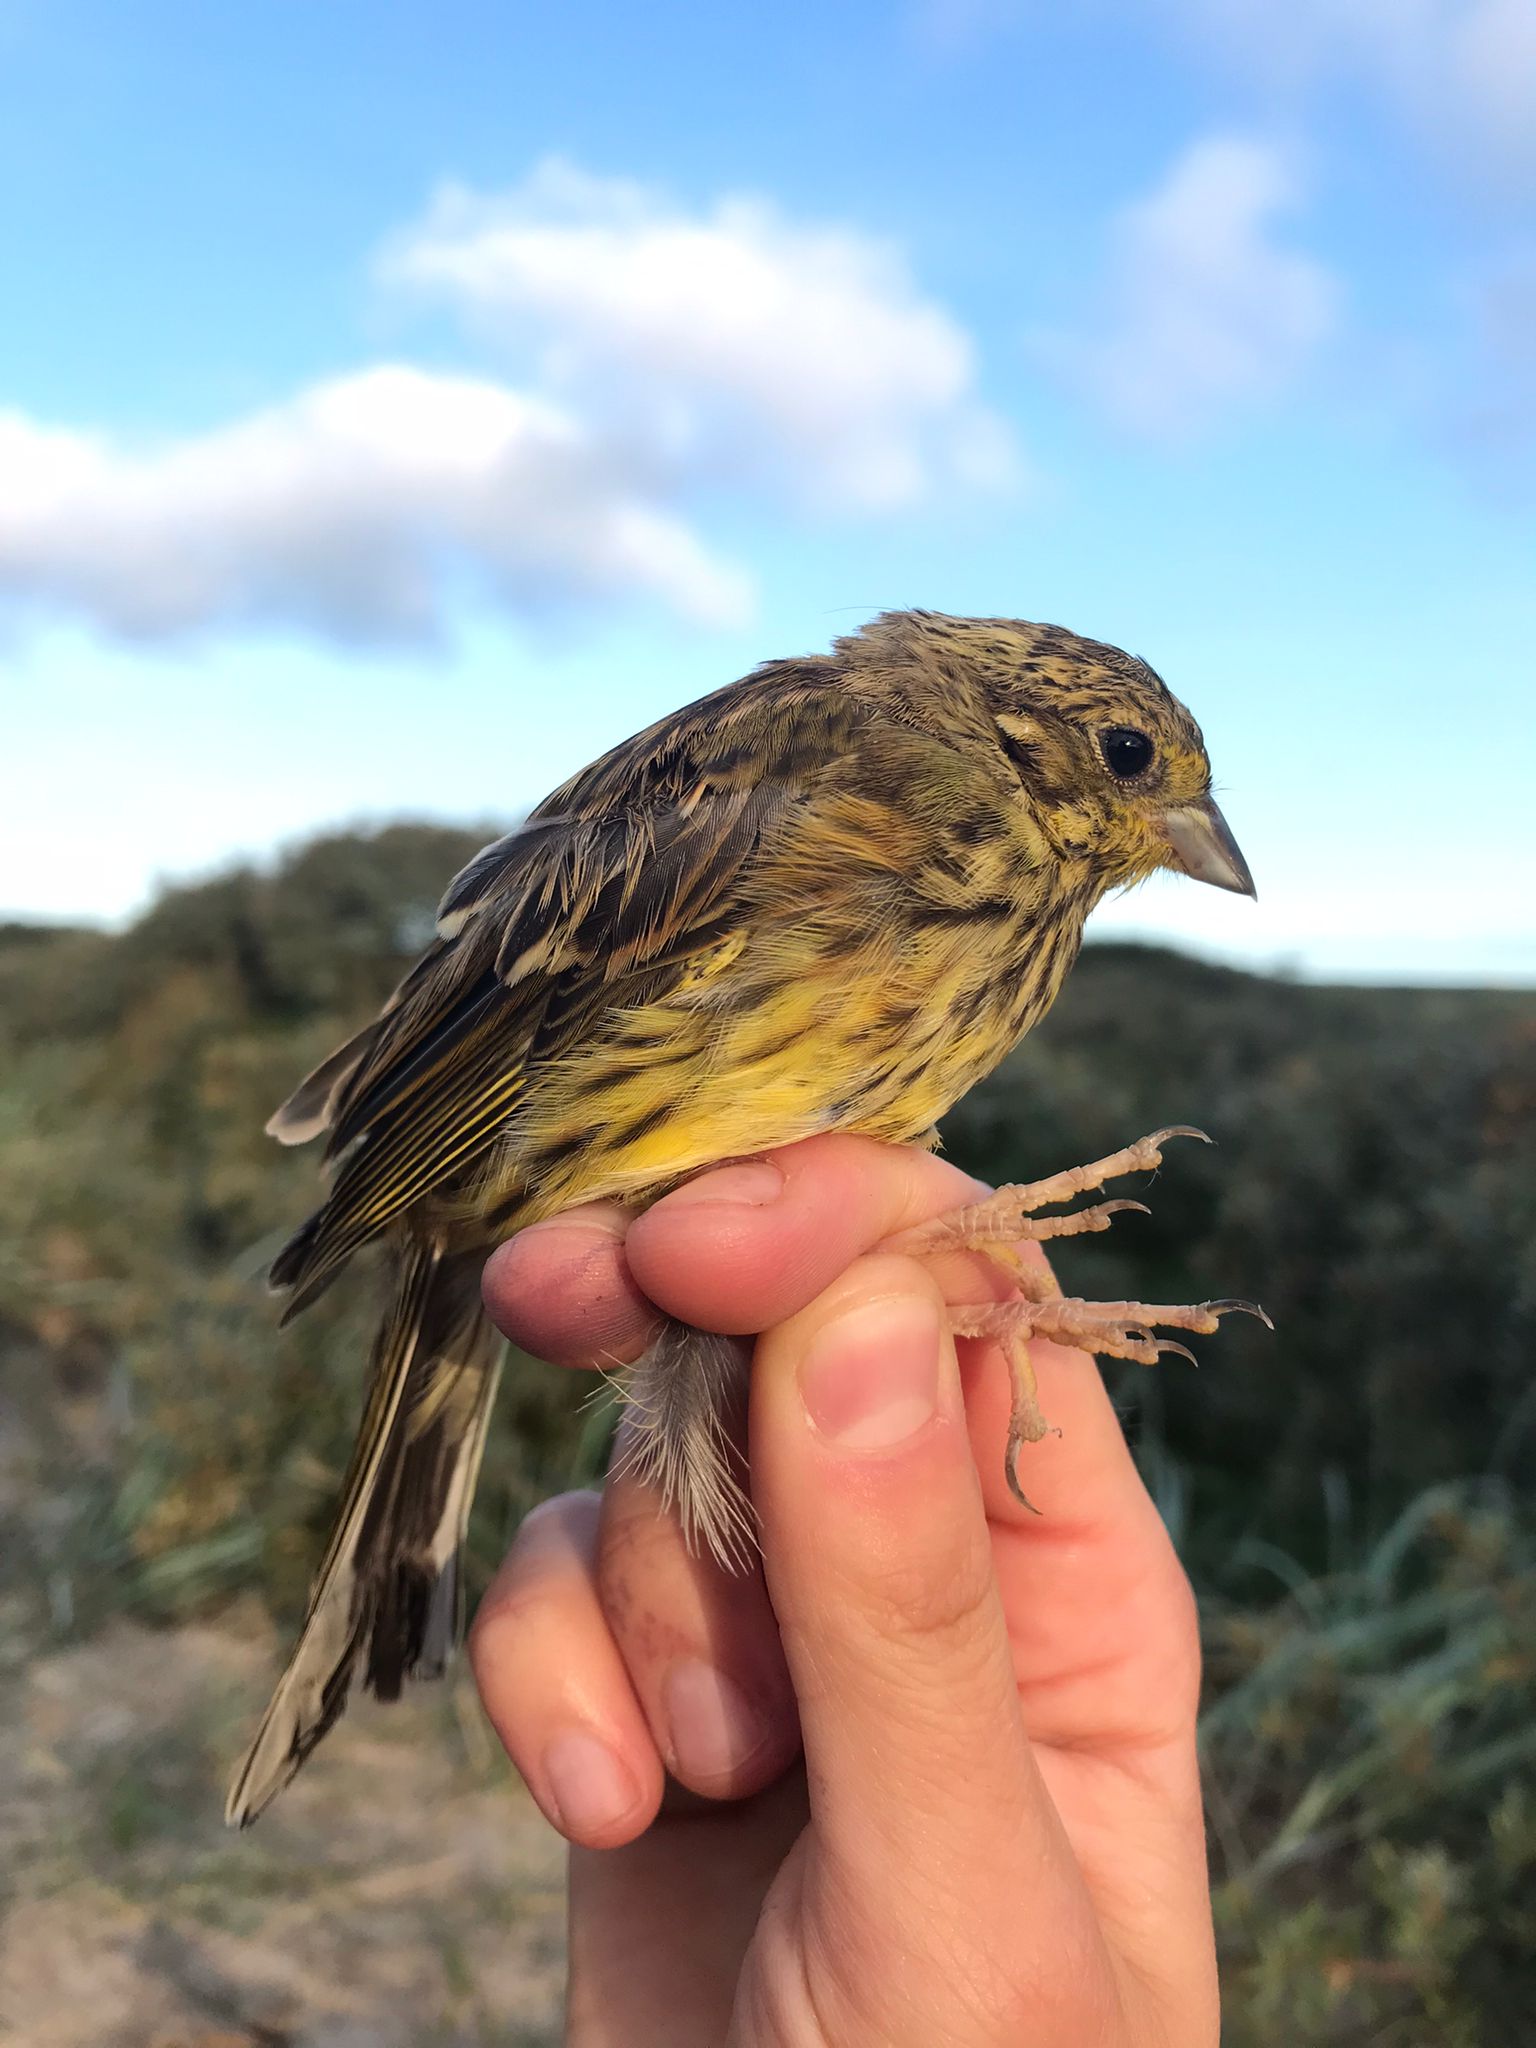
(603, 895)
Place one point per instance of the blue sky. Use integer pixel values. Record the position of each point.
(400, 403)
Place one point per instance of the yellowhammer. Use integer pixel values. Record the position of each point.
(829, 897)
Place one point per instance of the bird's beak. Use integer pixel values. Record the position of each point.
(1203, 846)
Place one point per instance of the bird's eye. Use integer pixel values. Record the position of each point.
(1126, 751)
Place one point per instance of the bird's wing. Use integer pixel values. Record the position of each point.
(608, 889)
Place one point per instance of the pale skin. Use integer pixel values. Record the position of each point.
(927, 1778)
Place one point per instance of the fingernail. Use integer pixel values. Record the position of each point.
(870, 1379)
(713, 1728)
(591, 1789)
(591, 1227)
(751, 1182)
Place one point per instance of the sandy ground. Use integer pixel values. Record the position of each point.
(403, 1893)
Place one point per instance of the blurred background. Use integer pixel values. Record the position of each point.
(399, 405)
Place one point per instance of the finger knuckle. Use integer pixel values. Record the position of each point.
(938, 1602)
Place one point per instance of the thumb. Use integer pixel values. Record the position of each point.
(930, 1820)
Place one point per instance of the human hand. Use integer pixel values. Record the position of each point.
(995, 1835)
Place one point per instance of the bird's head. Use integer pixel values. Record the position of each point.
(1111, 765)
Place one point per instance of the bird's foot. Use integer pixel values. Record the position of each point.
(1113, 1329)
(998, 1225)
(1007, 1217)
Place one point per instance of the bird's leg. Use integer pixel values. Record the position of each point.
(997, 1226)
(1009, 1324)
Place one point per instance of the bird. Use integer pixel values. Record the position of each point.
(830, 896)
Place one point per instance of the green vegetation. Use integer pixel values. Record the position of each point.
(1353, 1496)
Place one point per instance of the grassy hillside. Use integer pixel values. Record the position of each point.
(1353, 1495)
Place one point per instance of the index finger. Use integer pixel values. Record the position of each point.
(740, 1249)
(736, 1249)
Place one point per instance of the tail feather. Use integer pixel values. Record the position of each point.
(420, 1613)
(388, 1589)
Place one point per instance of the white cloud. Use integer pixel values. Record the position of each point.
(350, 510)
(665, 360)
(1205, 309)
(1462, 71)
(730, 343)
(1492, 62)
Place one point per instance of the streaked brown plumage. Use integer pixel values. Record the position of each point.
(829, 897)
